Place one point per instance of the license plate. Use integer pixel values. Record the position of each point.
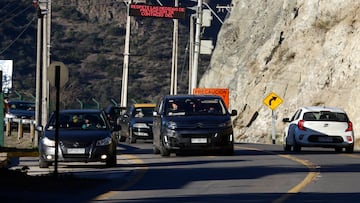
(76, 151)
(198, 140)
(325, 139)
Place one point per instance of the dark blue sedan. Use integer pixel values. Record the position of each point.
(85, 135)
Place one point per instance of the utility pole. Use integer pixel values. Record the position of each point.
(173, 86)
(197, 45)
(191, 52)
(125, 73)
(45, 11)
(40, 16)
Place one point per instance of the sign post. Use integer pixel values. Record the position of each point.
(272, 101)
(58, 75)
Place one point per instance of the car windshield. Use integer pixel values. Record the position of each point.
(27, 106)
(78, 120)
(325, 116)
(143, 112)
(195, 106)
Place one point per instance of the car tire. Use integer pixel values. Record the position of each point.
(111, 161)
(156, 150)
(349, 149)
(43, 163)
(228, 151)
(286, 146)
(296, 146)
(338, 149)
(163, 150)
(131, 138)
(121, 138)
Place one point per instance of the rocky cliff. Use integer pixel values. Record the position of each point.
(304, 51)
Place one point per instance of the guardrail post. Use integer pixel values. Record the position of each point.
(8, 127)
(32, 131)
(20, 129)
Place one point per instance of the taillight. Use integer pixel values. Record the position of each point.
(301, 125)
(350, 127)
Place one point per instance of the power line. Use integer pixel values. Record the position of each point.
(7, 19)
(22, 32)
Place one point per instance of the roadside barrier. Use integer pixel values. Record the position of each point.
(20, 123)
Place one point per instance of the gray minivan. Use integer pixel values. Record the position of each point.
(192, 122)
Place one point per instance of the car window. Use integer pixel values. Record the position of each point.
(195, 106)
(22, 106)
(326, 116)
(143, 112)
(296, 115)
(79, 120)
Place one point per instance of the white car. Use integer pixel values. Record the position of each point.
(316, 126)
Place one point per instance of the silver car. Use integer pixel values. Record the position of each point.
(317, 126)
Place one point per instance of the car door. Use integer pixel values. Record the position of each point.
(124, 123)
(157, 123)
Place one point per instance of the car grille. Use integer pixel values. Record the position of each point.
(65, 145)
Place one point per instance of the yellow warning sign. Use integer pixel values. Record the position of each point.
(272, 101)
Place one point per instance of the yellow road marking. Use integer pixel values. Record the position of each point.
(309, 177)
(352, 155)
(139, 174)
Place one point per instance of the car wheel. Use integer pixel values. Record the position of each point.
(286, 146)
(156, 150)
(228, 151)
(131, 138)
(296, 146)
(43, 163)
(121, 138)
(163, 150)
(111, 161)
(349, 149)
(338, 149)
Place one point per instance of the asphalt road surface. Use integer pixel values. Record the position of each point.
(256, 173)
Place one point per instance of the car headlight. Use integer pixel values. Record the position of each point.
(140, 125)
(103, 142)
(9, 115)
(225, 124)
(50, 143)
(171, 125)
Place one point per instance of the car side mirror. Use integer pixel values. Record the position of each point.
(155, 113)
(39, 128)
(286, 120)
(233, 112)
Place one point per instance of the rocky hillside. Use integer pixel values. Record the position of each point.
(304, 51)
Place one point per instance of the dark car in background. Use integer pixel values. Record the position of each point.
(137, 122)
(192, 122)
(85, 135)
(20, 111)
(113, 112)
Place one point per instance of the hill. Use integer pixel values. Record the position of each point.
(88, 37)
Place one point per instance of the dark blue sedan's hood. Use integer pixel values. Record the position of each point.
(20, 113)
(79, 135)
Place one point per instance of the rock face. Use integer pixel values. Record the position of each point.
(304, 51)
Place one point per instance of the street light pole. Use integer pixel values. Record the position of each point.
(197, 45)
(173, 86)
(125, 73)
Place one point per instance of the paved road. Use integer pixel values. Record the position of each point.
(256, 173)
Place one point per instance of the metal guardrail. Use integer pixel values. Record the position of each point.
(20, 123)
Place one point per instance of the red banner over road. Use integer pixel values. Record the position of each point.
(157, 11)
